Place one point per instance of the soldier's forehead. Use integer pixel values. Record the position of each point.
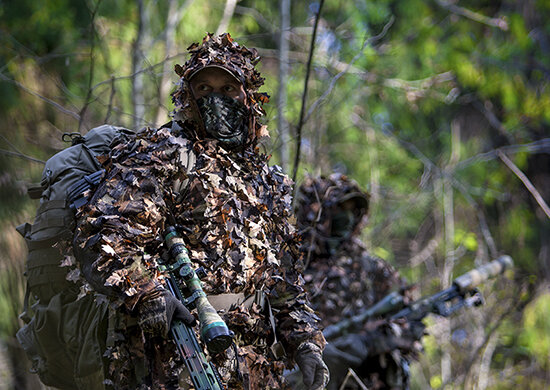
(214, 72)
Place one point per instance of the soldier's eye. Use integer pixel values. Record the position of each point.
(229, 88)
(204, 88)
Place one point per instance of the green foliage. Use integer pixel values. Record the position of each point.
(535, 334)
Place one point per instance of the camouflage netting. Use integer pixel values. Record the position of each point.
(234, 214)
(221, 51)
(344, 279)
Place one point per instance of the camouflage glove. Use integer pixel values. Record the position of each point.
(315, 373)
(158, 309)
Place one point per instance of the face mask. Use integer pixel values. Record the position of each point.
(225, 118)
(342, 224)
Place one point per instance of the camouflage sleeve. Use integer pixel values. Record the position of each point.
(118, 236)
(296, 322)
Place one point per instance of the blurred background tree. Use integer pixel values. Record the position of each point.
(440, 108)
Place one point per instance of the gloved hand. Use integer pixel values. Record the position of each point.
(315, 373)
(158, 309)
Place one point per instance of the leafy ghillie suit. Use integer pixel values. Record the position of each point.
(233, 211)
(343, 279)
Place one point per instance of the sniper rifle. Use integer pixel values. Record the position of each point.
(462, 293)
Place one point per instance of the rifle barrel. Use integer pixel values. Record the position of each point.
(478, 275)
(391, 302)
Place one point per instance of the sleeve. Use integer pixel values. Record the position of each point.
(118, 238)
(296, 321)
(116, 241)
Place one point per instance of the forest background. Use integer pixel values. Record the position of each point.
(440, 108)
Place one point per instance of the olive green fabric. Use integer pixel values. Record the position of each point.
(65, 337)
(65, 340)
(54, 219)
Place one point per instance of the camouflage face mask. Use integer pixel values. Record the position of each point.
(225, 118)
(342, 225)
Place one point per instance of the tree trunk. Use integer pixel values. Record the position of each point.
(450, 256)
(228, 12)
(175, 14)
(282, 124)
(137, 78)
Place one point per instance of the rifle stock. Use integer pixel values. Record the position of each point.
(462, 293)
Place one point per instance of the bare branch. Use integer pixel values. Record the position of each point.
(540, 146)
(36, 94)
(137, 72)
(425, 253)
(304, 94)
(516, 306)
(513, 167)
(256, 15)
(485, 109)
(21, 155)
(333, 81)
(475, 16)
(353, 375)
(137, 55)
(484, 227)
(111, 98)
(418, 88)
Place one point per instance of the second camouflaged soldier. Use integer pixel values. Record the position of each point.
(343, 279)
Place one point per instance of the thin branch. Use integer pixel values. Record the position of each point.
(21, 155)
(36, 94)
(484, 227)
(485, 110)
(513, 167)
(10, 144)
(425, 253)
(475, 16)
(516, 307)
(304, 95)
(143, 70)
(256, 15)
(332, 83)
(111, 99)
(353, 375)
(540, 146)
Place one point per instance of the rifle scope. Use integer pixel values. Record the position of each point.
(213, 330)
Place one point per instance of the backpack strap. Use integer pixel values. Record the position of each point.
(35, 191)
(51, 204)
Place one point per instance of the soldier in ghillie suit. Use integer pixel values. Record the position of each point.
(204, 173)
(343, 279)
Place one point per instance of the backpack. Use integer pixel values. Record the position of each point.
(62, 338)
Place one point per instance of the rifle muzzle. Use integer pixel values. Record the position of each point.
(478, 275)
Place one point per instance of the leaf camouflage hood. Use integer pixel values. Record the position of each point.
(219, 51)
